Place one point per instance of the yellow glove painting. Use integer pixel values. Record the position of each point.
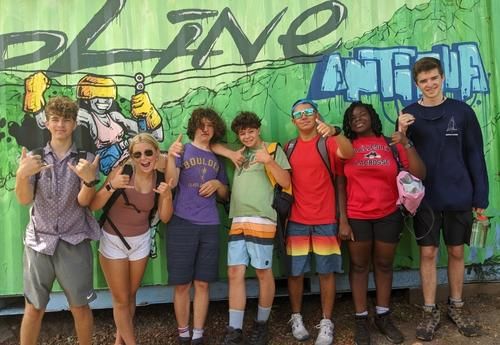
(34, 88)
(143, 108)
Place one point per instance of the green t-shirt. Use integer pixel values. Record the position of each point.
(252, 192)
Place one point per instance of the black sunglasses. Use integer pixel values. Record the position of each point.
(138, 154)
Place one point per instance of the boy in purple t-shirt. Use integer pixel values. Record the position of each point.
(193, 231)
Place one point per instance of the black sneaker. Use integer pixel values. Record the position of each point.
(198, 341)
(259, 335)
(184, 340)
(386, 327)
(233, 337)
(429, 323)
(362, 330)
(465, 324)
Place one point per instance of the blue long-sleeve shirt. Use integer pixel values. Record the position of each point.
(448, 139)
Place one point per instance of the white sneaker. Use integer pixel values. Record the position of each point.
(325, 334)
(298, 330)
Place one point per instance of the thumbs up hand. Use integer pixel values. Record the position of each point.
(325, 129)
(176, 149)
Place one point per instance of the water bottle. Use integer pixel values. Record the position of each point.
(480, 226)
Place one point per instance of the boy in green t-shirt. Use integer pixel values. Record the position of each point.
(253, 227)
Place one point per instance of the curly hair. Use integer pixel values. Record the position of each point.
(61, 106)
(196, 121)
(245, 119)
(375, 120)
(426, 64)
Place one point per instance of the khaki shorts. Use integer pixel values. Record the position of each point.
(71, 265)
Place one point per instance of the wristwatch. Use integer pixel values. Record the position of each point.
(338, 130)
(109, 187)
(91, 183)
(409, 144)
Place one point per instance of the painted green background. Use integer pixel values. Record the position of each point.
(267, 91)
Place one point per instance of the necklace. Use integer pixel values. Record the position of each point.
(421, 102)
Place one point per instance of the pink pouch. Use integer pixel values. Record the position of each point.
(411, 191)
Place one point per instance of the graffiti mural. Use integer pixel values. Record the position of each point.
(137, 66)
(99, 116)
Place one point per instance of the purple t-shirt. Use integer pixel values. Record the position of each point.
(197, 167)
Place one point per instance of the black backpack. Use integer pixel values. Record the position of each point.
(153, 219)
(322, 150)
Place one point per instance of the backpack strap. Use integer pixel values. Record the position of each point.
(127, 170)
(323, 152)
(271, 149)
(325, 157)
(80, 154)
(289, 147)
(37, 175)
(160, 177)
(395, 153)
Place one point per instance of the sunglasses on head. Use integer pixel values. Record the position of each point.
(307, 112)
(138, 154)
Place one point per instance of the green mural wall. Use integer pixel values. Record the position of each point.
(232, 56)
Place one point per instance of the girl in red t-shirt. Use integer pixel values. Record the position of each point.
(369, 217)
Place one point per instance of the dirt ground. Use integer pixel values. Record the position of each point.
(155, 324)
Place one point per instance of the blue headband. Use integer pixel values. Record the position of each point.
(305, 101)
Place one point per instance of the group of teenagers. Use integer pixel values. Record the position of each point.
(352, 199)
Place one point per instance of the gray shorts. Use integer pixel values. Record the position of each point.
(71, 265)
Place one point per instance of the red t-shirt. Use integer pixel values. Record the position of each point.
(312, 187)
(371, 178)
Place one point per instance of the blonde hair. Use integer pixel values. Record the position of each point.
(143, 138)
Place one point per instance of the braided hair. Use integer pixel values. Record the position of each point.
(375, 120)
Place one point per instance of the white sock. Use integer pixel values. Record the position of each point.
(381, 310)
(197, 333)
(184, 332)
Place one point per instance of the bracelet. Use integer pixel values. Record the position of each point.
(338, 130)
(91, 183)
(409, 144)
(109, 187)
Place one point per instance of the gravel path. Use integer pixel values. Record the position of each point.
(155, 324)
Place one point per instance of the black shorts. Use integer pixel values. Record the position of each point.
(456, 225)
(192, 252)
(387, 229)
